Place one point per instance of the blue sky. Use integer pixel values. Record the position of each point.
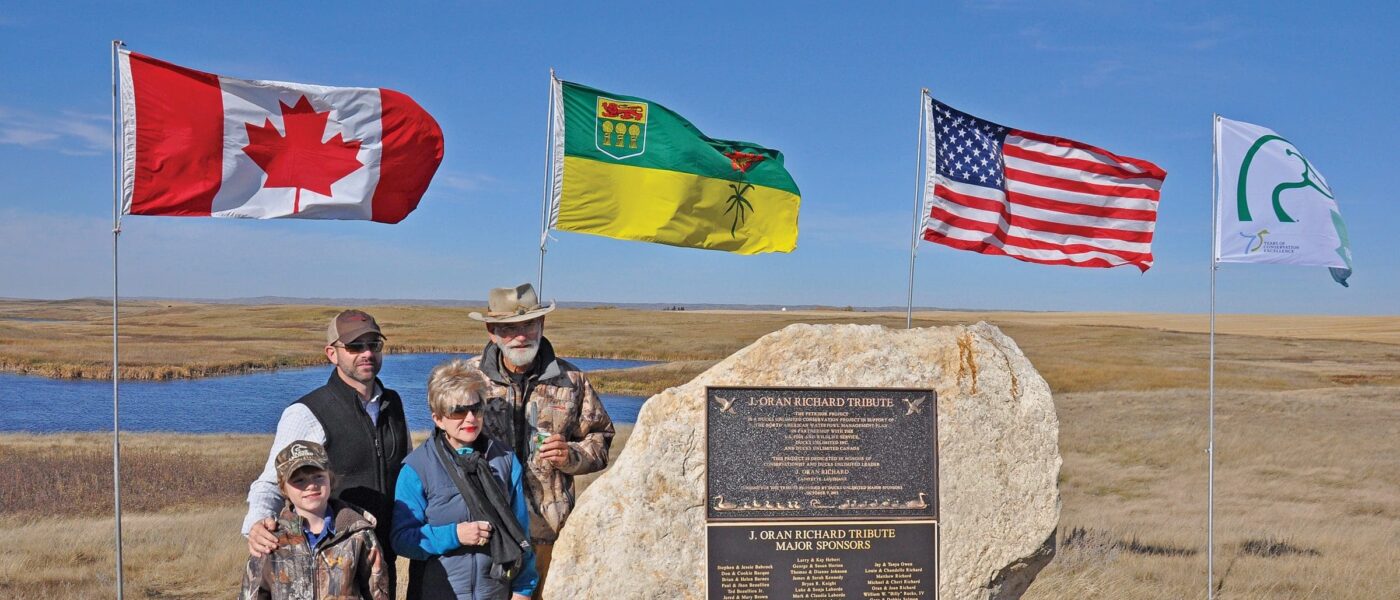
(833, 85)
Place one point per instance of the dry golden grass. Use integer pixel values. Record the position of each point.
(1383, 329)
(162, 340)
(174, 340)
(1075, 352)
(169, 555)
(1307, 495)
(1308, 478)
(650, 379)
(37, 479)
(177, 542)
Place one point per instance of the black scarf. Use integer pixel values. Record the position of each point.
(486, 501)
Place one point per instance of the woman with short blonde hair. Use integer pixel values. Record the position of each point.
(460, 514)
(452, 383)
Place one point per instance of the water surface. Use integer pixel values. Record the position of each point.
(247, 403)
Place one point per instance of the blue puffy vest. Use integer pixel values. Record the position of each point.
(463, 572)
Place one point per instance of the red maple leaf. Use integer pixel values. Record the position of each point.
(300, 159)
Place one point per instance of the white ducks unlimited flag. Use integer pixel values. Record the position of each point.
(1273, 206)
(199, 144)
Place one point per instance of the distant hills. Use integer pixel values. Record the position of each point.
(328, 301)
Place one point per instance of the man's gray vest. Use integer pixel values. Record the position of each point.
(463, 572)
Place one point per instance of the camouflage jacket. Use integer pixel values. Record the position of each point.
(555, 397)
(347, 565)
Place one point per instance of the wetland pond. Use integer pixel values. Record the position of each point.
(244, 403)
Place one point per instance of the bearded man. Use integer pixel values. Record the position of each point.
(543, 407)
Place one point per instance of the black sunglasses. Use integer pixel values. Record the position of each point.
(458, 411)
(358, 347)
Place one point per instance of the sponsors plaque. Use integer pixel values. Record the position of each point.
(822, 561)
(821, 454)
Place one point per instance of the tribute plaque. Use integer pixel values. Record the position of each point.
(821, 454)
(822, 561)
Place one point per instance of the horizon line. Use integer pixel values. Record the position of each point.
(585, 304)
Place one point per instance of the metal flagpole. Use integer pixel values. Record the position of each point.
(919, 158)
(1210, 444)
(548, 182)
(116, 357)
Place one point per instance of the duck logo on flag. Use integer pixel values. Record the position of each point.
(621, 130)
(1308, 179)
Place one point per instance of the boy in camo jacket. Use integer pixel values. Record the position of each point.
(326, 548)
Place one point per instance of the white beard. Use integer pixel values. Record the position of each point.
(522, 356)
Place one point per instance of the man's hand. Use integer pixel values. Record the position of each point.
(519, 597)
(262, 538)
(473, 533)
(555, 451)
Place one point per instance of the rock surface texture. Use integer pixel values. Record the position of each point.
(638, 531)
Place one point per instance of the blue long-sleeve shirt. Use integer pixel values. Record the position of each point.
(414, 538)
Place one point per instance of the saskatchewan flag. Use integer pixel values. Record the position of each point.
(628, 168)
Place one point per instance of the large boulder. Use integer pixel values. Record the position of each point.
(638, 531)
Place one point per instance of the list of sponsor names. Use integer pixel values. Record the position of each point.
(813, 561)
(745, 582)
(818, 578)
(893, 579)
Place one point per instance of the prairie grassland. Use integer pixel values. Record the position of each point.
(1384, 329)
(182, 499)
(1308, 442)
(1074, 352)
(1307, 495)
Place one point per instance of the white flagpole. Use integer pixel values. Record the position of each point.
(548, 182)
(919, 159)
(1214, 266)
(116, 357)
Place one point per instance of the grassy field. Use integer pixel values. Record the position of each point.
(1075, 351)
(182, 502)
(1308, 441)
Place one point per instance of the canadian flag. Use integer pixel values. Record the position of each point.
(199, 144)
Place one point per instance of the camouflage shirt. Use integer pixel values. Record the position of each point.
(554, 397)
(346, 565)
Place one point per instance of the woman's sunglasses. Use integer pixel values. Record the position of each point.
(459, 411)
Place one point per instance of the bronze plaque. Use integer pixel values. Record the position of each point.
(822, 561)
(821, 454)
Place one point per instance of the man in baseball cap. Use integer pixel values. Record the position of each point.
(359, 423)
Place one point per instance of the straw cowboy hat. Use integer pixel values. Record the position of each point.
(513, 305)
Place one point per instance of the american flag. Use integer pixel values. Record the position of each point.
(1034, 197)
